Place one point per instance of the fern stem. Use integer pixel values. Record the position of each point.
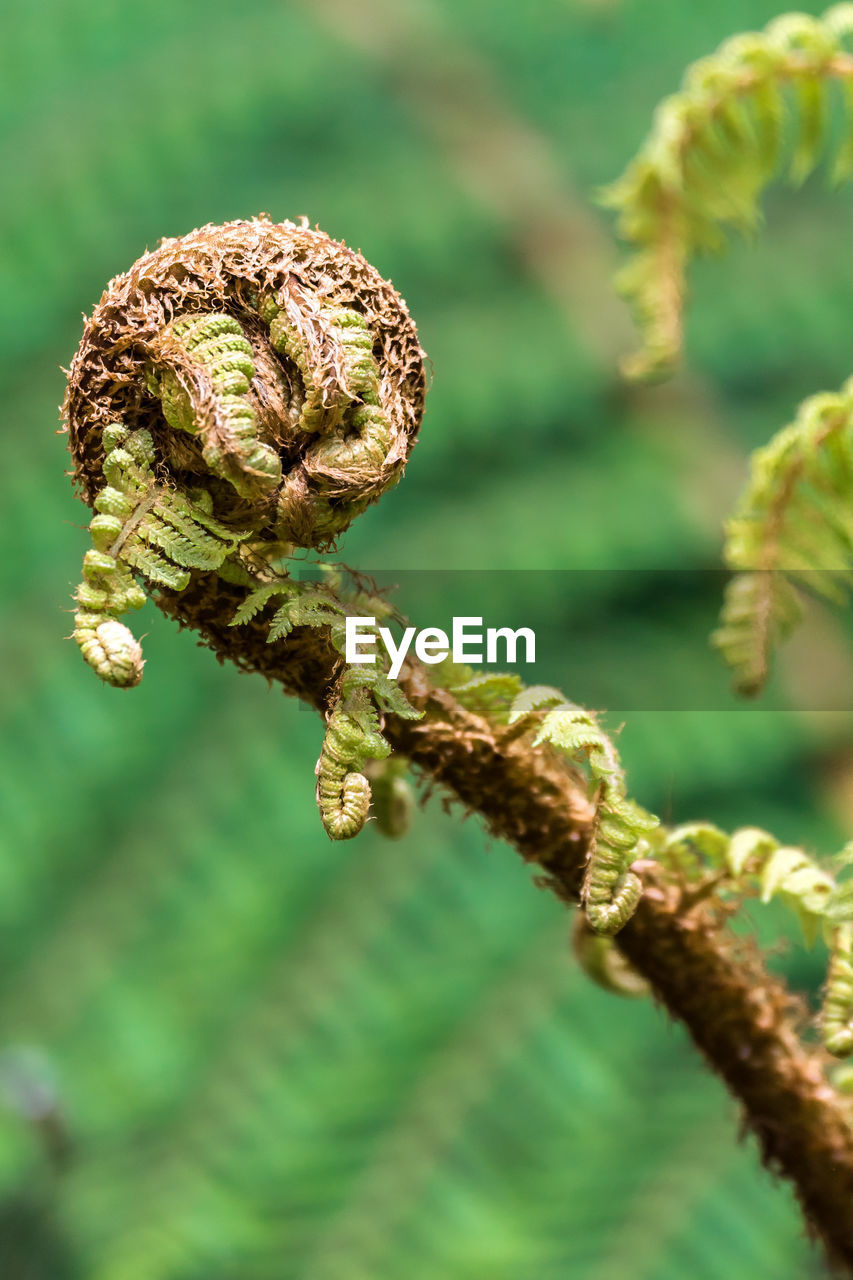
(743, 1019)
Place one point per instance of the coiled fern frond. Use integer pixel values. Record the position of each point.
(241, 393)
(701, 858)
(712, 150)
(611, 890)
(275, 372)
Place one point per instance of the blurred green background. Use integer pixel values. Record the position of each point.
(230, 1049)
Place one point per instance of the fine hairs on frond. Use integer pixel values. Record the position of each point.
(713, 148)
(794, 527)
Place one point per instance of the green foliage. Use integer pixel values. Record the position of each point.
(752, 861)
(353, 728)
(611, 890)
(489, 693)
(794, 526)
(713, 149)
(140, 525)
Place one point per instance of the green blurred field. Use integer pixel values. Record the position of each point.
(280, 1058)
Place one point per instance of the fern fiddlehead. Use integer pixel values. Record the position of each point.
(352, 737)
(242, 392)
(611, 889)
(712, 150)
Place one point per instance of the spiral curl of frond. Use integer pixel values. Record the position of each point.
(713, 148)
(275, 373)
(611, 889)
(239, 393)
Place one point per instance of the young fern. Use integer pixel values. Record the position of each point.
(610, 890)
(352, 737)
(241, 392)
(275, 372)
(363, 693)
(713, 148)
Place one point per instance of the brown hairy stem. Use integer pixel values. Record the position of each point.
(743, 1019)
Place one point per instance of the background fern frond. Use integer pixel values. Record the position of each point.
(794, 528)
(713, 148)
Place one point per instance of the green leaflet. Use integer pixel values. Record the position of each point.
(531, 699)
(489, 694)
(141, 526)
(793, 528)
(753, 860)
(712, 149)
